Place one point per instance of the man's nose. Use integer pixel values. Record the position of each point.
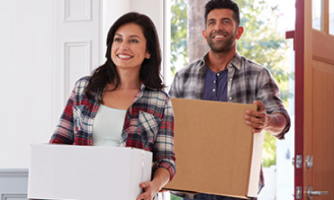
(218, 27)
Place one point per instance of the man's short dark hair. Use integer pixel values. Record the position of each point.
(223, 4)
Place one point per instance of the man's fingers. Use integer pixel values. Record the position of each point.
(259, 105)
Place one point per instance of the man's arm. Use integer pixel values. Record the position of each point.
(274, 123)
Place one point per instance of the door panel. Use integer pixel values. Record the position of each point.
(314, 103)
(77, 46)
(322, 133)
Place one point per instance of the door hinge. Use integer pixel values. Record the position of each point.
(299, 161)
(299, 192)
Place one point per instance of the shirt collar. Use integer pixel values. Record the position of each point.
(143, 87)
(236, 61)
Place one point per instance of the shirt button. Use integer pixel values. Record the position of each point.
(214, 81)
(230, 79)
(218, 74)
(214, 90)
(230, 98)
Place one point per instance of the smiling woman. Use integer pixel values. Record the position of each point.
(129, 48)
(62, 41)
(128, 86)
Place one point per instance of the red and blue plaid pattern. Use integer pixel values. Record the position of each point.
(148, 125)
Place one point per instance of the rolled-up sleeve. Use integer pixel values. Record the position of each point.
(64, 133)
(163, 151)
(269, 94)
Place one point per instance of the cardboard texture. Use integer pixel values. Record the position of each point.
(86, 172)
(216, 152)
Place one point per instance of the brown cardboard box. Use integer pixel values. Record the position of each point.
(215, 150)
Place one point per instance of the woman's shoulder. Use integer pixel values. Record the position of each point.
(158, 94)
(82, 82)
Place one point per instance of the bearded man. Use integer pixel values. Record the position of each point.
(224, 75)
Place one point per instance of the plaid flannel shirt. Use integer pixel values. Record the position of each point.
(148, 125)
(247, 82)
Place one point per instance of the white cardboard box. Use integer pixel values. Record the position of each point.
(87, 172)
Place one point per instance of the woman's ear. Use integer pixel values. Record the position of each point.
(148, 55)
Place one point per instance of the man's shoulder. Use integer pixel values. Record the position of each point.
(194, 67)
(251, 65)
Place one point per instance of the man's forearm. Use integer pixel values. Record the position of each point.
(275, 123)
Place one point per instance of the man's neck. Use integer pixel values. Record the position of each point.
(218, 61)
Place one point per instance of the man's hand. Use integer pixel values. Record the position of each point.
(258, 119)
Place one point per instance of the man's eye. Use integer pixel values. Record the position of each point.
(226, 21)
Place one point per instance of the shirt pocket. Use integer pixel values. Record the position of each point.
(148, 127)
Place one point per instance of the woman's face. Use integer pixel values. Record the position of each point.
(128, 50)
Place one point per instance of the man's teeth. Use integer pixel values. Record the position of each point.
(124, 56)
(219, 36)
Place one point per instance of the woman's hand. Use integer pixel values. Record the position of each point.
(161, 178)
(150, 189)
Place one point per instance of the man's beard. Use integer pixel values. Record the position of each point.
(222, 45)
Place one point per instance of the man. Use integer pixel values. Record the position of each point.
(224, 75)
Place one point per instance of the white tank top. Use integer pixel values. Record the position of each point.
(108, 126)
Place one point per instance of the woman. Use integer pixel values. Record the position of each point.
(122, 102)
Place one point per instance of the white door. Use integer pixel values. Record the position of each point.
(77, 46)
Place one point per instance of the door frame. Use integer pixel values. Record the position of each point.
(299, 97)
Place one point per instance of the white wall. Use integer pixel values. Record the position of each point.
(29, 65)
(25, 78)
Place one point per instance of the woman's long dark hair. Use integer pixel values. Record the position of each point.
(150, 69)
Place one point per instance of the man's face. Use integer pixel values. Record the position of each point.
(221, 30)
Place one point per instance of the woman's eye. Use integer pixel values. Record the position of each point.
(134, 41)
(117, 40)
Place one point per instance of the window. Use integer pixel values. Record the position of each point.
(316, 14)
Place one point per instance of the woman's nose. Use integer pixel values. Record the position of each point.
(123, 45)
